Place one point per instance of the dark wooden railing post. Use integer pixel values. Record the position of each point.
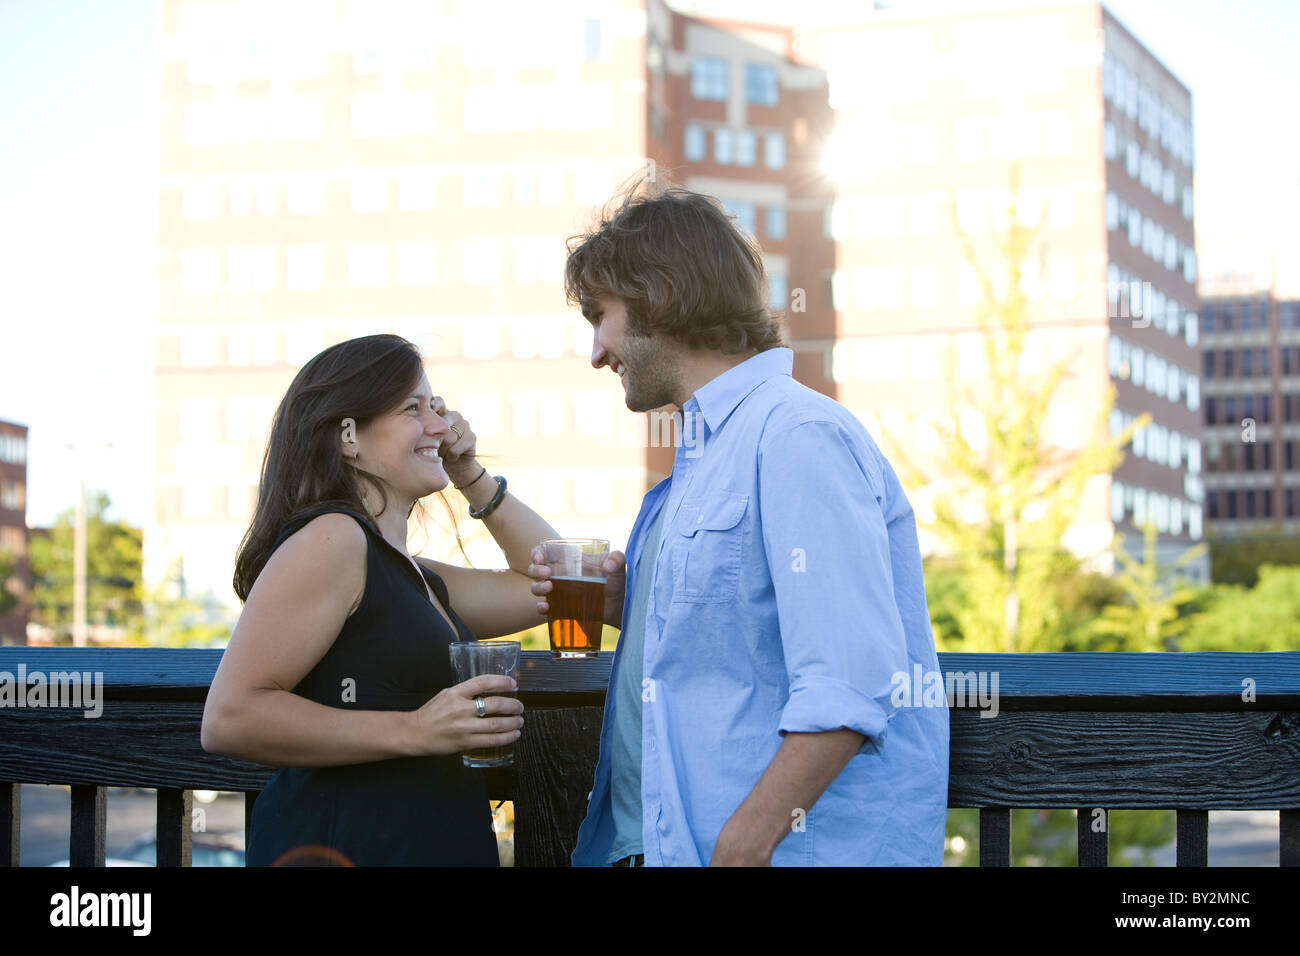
(995, 836)
(174, 834)
(1289, 838)
(89, 826)
(1094, 841)
(1192, 844)
(11, 811)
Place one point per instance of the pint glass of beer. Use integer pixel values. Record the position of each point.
(578, 599)
(472, 658)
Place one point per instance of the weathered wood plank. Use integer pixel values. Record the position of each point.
(995, 836)
(1024, 760)
(1289, 838)
(1053, 681)
(175, 829)
(89, 832)
(184, 674)
(11, 814)
(1123, 761)
(1192, 844)
(555, 764)
(1094, 837)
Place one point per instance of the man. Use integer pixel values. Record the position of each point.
(773, 588)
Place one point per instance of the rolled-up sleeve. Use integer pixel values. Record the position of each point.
(828, 550)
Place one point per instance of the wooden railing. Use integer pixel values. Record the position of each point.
(1188, 732)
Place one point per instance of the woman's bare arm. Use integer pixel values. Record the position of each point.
(293, 615)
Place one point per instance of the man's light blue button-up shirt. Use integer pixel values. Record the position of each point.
(787, 597)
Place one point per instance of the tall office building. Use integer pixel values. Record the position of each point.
(1251, 355)
(14, 535)
(337, 169)
(940, 119)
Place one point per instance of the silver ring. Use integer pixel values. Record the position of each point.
(459, 436)
(481, 706)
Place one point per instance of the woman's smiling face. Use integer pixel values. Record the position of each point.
(402, 447)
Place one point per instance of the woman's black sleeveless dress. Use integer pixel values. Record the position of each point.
(412, 811)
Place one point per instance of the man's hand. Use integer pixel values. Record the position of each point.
(804, 766)
(615, 568)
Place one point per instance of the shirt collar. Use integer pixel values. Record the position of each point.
(719, 398)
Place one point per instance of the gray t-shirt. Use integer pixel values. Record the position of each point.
(625, 741)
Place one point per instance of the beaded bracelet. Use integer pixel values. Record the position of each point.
(495, 503)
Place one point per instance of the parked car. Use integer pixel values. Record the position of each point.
(206, 849)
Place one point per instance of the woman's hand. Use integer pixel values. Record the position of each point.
(449, 723)
(615, 568)
(459, 447)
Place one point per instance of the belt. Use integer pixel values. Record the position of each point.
(638, 860)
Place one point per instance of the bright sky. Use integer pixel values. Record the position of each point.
(78, 198)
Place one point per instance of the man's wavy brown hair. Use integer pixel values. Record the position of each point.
(682, 267)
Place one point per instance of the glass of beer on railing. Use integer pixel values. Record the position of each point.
(577, 601)
(472, 658)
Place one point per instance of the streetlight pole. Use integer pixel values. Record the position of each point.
(79, 569)
(80, 631)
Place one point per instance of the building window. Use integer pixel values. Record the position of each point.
(416, 262)
(776, 224)
(481, 261)
(369, 192)
(696, 145)
(774, 151)
(724, 146)
(483, 187)
(386, 114)
(593, 46)
(304, 266)
(761, 85)
(746, 214)
(1208, 362)
(305, 194)
(417, 189)
(746, 147)
(368, 265)
(778, 291)
(709, 78)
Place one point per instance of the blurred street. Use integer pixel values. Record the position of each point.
(1237, 838)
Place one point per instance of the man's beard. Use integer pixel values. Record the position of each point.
(652, 380)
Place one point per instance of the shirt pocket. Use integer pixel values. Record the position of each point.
(710, 532)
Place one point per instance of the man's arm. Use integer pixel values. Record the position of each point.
(802, 769)
(841, 635)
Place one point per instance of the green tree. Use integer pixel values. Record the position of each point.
(1023, 490)
(1236, 560)
(8, 599)
(1263, 618)
(1151, 617)
(174, 619)
(113, 572)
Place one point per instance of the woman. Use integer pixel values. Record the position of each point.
(338, 669)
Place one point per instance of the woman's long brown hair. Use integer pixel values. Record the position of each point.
(359, 379)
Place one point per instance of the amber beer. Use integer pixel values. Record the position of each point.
(577, 597)
(503, 756)
(577, 616)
